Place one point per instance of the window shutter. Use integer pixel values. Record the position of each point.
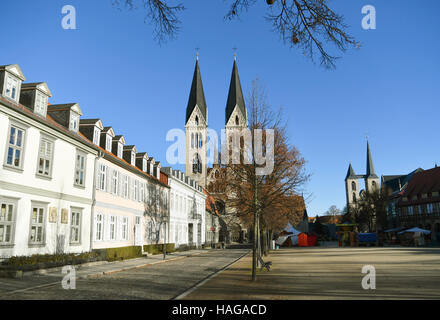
(94, 226)
(108, 180)
(97, 176)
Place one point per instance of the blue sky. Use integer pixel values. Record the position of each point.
(113, 68)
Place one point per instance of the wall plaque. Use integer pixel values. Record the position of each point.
(64, 215)
(53, 214)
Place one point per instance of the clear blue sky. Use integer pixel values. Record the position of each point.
(112, 67)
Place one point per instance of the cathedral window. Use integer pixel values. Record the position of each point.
(237, 122)
(353, 186)
(192, 140)
(197, 164)
(197, 120)
(200, 140)
(354, 197)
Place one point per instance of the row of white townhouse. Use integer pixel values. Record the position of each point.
(70, 185)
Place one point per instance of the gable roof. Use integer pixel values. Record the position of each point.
(423, 182)
(235, 95)
(41, 86)
(14, 69)
(65, 107)
(196, 95)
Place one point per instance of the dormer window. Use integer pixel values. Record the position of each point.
(41, 104)
(133, 158)
(119, 150)
(11, 87)
(108, 143)
(96, 136)
(144, 165)
(74, 122)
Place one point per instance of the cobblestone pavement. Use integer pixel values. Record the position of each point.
(159, 281)
(330, 273)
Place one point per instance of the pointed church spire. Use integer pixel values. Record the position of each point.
(370, 166)
(350, 173)
(235, 96)
(196, 95)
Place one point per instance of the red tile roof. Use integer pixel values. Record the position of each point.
(423, 182)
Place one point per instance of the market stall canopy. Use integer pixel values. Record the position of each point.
(416, 230)
(394, 229)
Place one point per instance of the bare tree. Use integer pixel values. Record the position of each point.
(264, 200)
(156, 209)
(309, 24)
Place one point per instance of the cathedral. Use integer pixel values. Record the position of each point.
(196, 132)
(353, 194)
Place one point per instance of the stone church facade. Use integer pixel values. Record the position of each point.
(196, 131)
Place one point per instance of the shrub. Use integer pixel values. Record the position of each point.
(121, 253)
(158, 248)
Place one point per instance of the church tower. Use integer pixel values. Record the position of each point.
(196, 128)
(351, 187)
(371, 179)
(236, 114)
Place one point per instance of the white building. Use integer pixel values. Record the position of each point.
(131, 196)
(187, 210)
(46, 174)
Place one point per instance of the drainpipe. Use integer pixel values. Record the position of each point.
(92, 212)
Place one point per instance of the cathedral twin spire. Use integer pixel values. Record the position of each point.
(197, 95)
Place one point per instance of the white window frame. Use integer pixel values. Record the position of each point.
(96, 135)
(108, 143)
(75, 225)
(80, 170)
(99, 227)
(45, 157)
(39, 223)
(119, 150)
(74, 121)
(7, 220)
(112, 225)
(126, 187)
(14, 146)
(9, 91)
(142, 192)
(133, 158)
(115, 182)
(136, 190)
(40, 103)
(102, 177)
(124, 228)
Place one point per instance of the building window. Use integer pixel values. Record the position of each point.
(15, 147)
(80, 169)
(115, 180)
(373, 185)
(41, 104)
(410, 210)
(102, 176)
(119, 150)
(96, 136)
(133, 159)
(200, 140)
(237, 122)
(11, 88)
(126, 187)
(7, 217)
(353, 186)
(142, 193)
(136, 190)
(75, 226)
(197, 120)
(108, 143)
(99, 227)
(192, 140)
(429, 208)
(125, 228)
(45, 157)
(144, 165)
(112, 227)
(74, 121)
(37, 225)
(354, 197)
